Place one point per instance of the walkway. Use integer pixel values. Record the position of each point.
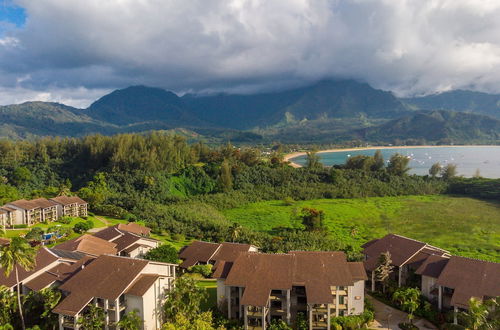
(387, 317)
(103, 220)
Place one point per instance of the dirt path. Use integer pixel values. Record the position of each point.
(387, 317)
(106, 224)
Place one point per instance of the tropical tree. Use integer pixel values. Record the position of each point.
(384, 268)
(39, 307)
(18, 253)
(163, 253)
(313, 160)
(131, 321)
(398, 165)
(312, 219)
(8, 305)
(235, 231)
(93, 318)
(435, 169)
(199, 321)
(449, 171)
(408, 299)
(226, 177)
(279, 325)
(378, 161)
(480, 315)
(185, 298)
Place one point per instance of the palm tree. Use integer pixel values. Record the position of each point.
(477, 314)
(408, 299)
(384, 269)
(18, 253)
(235, 230)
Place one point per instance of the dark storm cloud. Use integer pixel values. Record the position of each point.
(75, 50)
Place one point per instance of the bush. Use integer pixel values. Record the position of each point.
(35, 233)
(407, 326)
(81, 227)
(204, 270)
(20, 226)
(65, 220)
(178, 237)
(163, 253)
(111, 210)
(130, 217)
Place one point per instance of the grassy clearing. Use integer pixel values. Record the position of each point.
(211, 287)
(464, 226)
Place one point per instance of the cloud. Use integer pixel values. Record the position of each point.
(409, 47)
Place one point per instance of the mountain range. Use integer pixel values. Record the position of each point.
(325, 112)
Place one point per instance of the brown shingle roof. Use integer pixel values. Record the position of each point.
(357, 271)
(4, 241)
(401, 249)
(43, 259)
(109, 233)
(106, 277)
(432, 266)
(59, 273)
(126, 240)
(24, 204)
(197, 251)
(142, 284)
(88, 244)
(43, 202)
(134, 228)
(260, 273)
(66, 200)
(470, 278)
(8, 209)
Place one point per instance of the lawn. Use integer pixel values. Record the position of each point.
(211, 287)
(464, 226)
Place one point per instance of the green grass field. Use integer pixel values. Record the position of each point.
(464, 226)
(211, 287)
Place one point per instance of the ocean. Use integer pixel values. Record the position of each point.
(469, 159)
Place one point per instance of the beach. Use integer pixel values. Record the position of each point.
(290, 156)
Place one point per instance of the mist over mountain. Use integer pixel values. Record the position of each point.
(327, 111)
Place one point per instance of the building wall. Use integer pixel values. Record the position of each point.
(221, 291)
(159, 268)
(356, 298)
(20, 218)
(134, 303)
(427, 284)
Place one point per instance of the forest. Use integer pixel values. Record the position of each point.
(181, 190)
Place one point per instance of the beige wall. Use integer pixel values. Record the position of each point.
(427, 283)
(221, 291)
(160, 268)
(356, 306)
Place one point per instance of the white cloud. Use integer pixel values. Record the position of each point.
(410, 47)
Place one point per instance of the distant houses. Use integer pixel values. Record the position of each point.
(88, 271)
(258, 288)
(30, 212)
(123, 239)
(448, 281)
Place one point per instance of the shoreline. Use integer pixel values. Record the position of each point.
(290, 156)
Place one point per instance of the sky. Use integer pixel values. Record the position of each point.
(75, 51)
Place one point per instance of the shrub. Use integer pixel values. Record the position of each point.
(65, 220)
(407, 326)
(81, 227)
(35, 233)
(20, 226)
(163, 253)
(130, 217)
(178, 237)
(204, 270)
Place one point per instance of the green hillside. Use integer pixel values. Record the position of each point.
(464, 226)
(459, 100)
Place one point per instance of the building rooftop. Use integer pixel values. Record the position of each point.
(205, 252)
(67, 200)
(134, 228)
(403, 250)
(106, 277)
(260, 273)
(88, 244)
(470, 278)
(43, 259)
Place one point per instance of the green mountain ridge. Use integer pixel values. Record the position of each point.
(325, 112)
